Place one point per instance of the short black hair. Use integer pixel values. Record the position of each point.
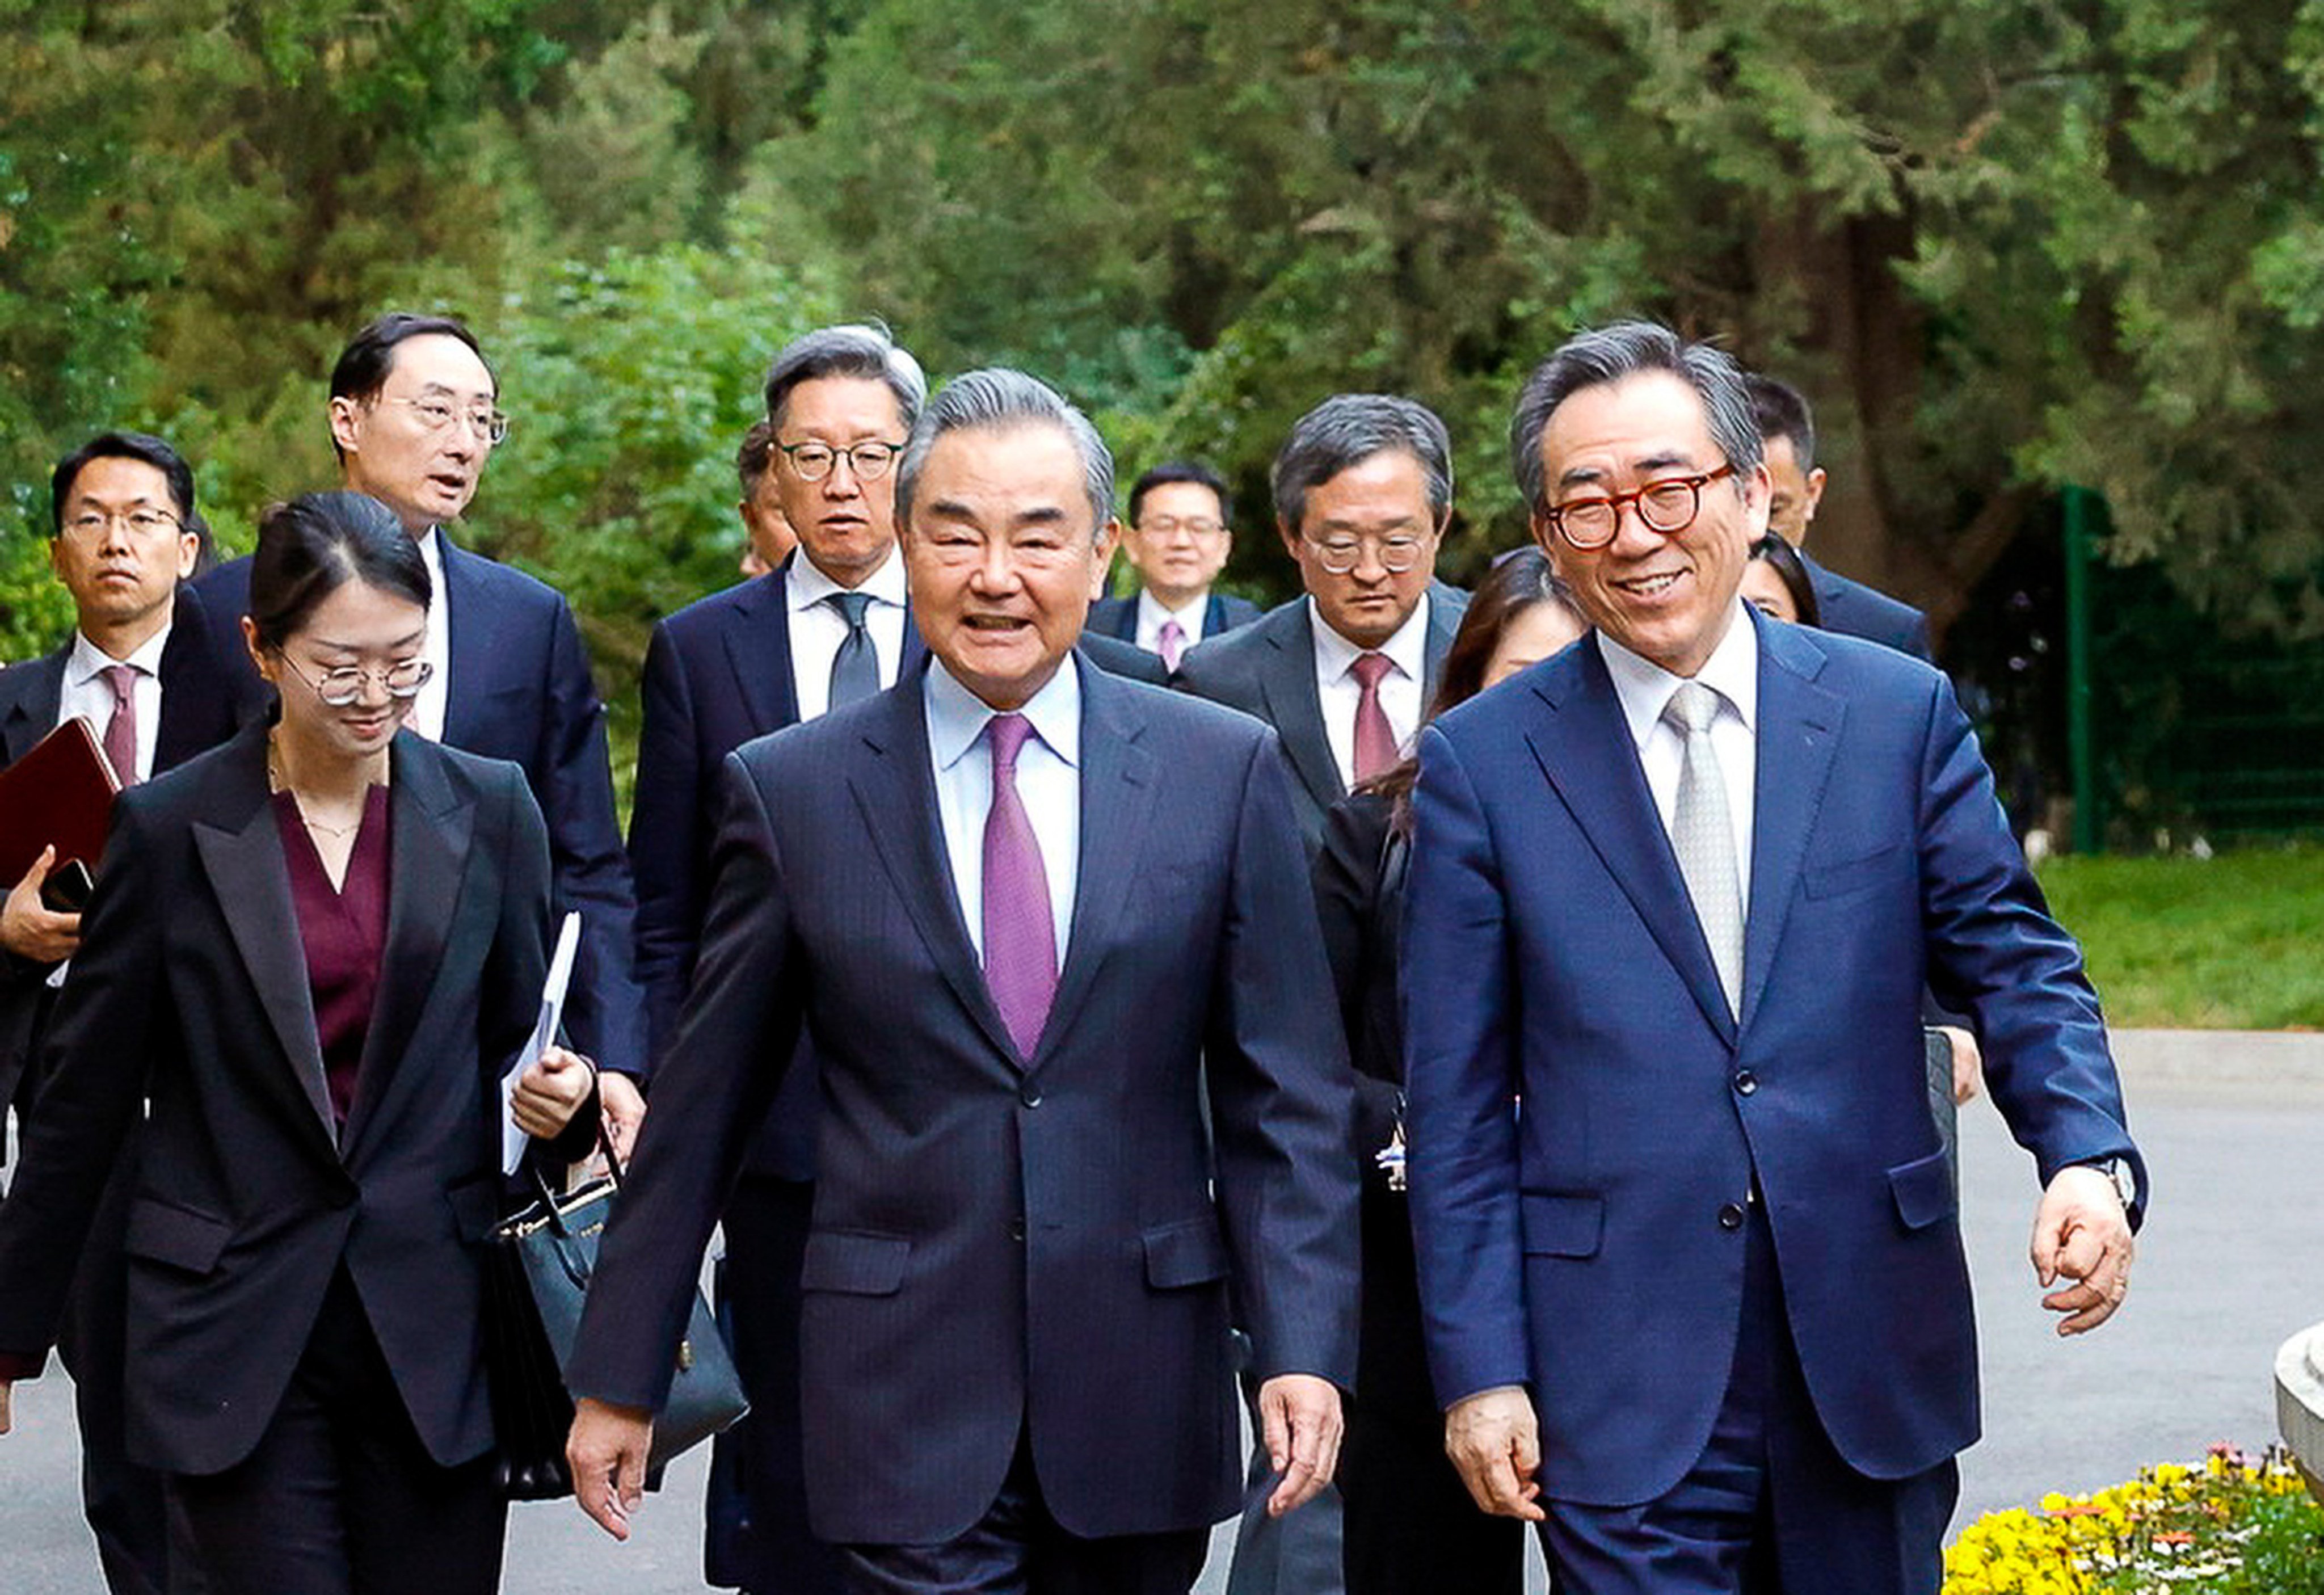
(757, 452)
(319, 542)
(1170, 471)
(1782, 411)
(1349, 428)
(859, 349)
(363, 365)
(1786, 562)
(127, 446)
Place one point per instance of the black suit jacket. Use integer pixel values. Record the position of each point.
(1855, 610)
(246, 1200)
(718, 673)
(1267, 668)
(1118, 617)
(191, 721)
(1004, 1245)
(519, 691)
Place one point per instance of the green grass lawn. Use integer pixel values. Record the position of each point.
(2235, 942)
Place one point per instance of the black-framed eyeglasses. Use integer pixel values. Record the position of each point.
(1668, 506)
(814, 461)
(1342, 553)
(1170, 526)
(341, 686)
(144, 521)
(437, 416)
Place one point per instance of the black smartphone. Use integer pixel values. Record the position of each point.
(67, 888)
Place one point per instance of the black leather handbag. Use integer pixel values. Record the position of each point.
(537, 1282)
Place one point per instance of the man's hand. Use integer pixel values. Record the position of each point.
(28, 928)
(2081, 1233)
(623, 1107)
(551, 1091)
(607, 1450)
(1968, 1063)
(4, 1389)
(1495, 1442)
(1301, 1423)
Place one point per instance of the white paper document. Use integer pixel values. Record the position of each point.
(544, 1031)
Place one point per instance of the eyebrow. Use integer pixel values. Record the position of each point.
(437, 390)
(1589, 475)
(1400, 523)
(412, 640)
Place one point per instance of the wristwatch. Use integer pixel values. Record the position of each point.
(2125, 1181)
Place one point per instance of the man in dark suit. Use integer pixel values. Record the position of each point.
(1362, 489)
(1788, 449)
(414, 416)
(125, 533)
(827, 627)
(1178, 541)
(1700, 1304)
(1037, 919)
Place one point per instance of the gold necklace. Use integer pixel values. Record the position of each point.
(275, 783)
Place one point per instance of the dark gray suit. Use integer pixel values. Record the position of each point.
(1267, 668)
(1855, 610)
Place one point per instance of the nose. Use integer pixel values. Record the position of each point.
(995, 571)
(116, 535)
(835, 485)
(1633, 538)
(1371, 567)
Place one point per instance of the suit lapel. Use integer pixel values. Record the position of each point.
(1799, 729)
(1295, 709)
(430, 825)
(471, 644)
(1118, 789)
(1583, 745)
(758, 647)
(243, 857)
(30, 712)
(1214, 618)
(1444, 621)
(895, 792)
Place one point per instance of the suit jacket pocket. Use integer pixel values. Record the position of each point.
(1561, 1225)
(852, 1263)
(1923, 1190)
(1188, 1252)
(1831, 880)
(178, 1236)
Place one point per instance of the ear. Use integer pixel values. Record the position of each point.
(57, 556)
(258, 658)
(1758, 490)
(1290, 538)
(1545, 535)
(344, 412)
(190, 549)
(1109, 538)
(1814, 497)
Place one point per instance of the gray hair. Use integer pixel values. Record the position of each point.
(1608, 354)
(1347, 429)
(861, 349)
(998, 398)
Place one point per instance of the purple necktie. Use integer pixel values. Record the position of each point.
(121, 731)
(1375, 742)
(1173, 643)
(1020, 938)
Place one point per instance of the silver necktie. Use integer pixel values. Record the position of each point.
(1704, 836)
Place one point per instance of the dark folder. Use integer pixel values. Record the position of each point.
(60, 794)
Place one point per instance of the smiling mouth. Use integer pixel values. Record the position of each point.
(996, 623)
(1650, 587)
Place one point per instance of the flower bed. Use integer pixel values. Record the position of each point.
(2237, 1525)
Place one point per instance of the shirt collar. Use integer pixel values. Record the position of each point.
(1645, 688)
(1152, 611)
(805, 584)
(1407, 649)
(87, 658)
(957, 717)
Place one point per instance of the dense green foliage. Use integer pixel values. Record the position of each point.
(2004, 244)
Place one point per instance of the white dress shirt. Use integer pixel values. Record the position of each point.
(1151, 616)
(817, 628)
(1731, 672)
(427, 716)
(1399, 690)
(88, 693)
(1048, 782)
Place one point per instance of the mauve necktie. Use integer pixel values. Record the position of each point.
(1375, 742)
(1020, 938)
(121, 731)
(855, 668)
(1704, 836)
(1173, 639)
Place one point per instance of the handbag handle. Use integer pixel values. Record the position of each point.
(549, 1197)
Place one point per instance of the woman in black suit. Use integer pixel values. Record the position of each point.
(1411, 1528)
(314, 951)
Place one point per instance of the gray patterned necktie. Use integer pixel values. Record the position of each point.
(1702, 835)
(855, 668)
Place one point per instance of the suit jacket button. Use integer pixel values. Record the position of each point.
(1017, 1227)
(1730, 1217)
(1746, 1083)
(1029, 1095)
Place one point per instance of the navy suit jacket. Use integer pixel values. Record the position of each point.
(521, 691)
(1582, 1245)
(1267, 668)
(192, 720)
(248, 1198)
(718, 673)
(1855, 610)
(1118, 617)
(1004, 1245)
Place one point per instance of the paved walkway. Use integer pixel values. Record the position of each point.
(2230, 1266)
